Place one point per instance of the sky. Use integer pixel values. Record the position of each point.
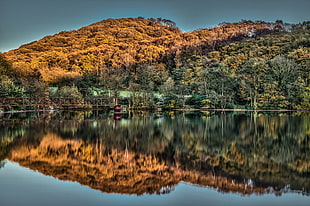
(24, 21)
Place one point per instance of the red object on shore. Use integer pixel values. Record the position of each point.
(117, 108)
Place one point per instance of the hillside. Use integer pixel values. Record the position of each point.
(121, 43)
(110, 44)
(244, 64)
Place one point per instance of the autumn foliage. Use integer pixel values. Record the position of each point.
(252, 64)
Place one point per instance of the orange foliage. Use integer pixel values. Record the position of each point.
(123, 43)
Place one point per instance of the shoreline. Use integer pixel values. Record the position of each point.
(245, 110)
(162, 110)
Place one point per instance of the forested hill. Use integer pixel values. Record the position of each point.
(235, 65)
(124, 43)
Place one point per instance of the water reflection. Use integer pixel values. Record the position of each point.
(151, 153)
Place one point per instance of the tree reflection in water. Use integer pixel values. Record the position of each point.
(151, 153)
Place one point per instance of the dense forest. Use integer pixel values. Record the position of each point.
(251, 65)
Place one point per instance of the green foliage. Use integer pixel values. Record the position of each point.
(198, 102)
(172, 102)
(141, 100)
(305, 103)
(68, 91)
(9, 89)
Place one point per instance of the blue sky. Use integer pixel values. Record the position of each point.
(24, 21)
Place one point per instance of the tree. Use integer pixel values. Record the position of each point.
(5, 66)
(221, 86)
(287, 77)
(68, 91)
(305, 102)
(168, 86)
(9, 89)
(251, 76)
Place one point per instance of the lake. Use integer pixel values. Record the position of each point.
(142, 158)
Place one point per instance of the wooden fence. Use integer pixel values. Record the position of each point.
(57, 102)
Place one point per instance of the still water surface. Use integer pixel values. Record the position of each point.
(97, 158)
